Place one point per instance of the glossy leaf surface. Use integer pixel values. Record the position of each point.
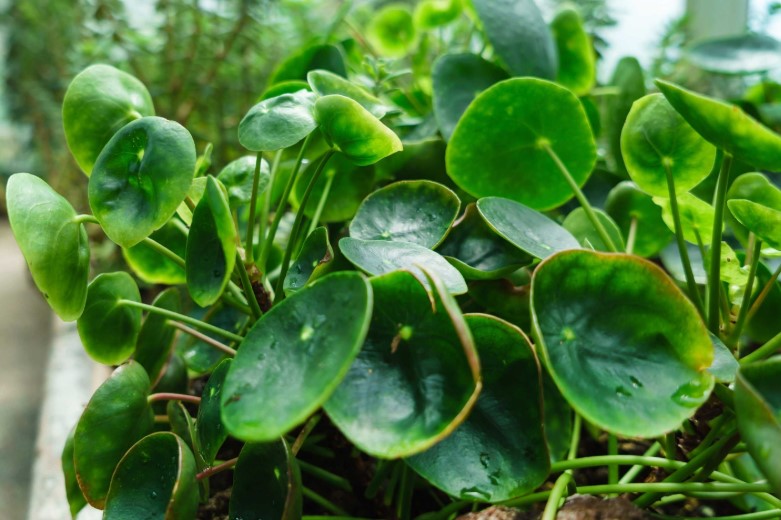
(761, 220)
(577, 63)
(525, 228)
(153, 267)
(266, 483)
(382, 256)
(166, 489)
(312, 262)
(294, 357)
(155, 338)
(498, 452)
(624, 345)
(457, 79)
(418, 212)
(238, 177)
(540, 116)
(55, 248)
(755, 187)
(519, 35)
(211, 246)
(726, 126)
(354, 131)
(198, 355)
(141, 177)
(657, 139)
(98, 103)
(325, 83)
(108, 330)
(578, 223)
(278, 122)
(209, 428)
(626, 204)
(383, 405)
(115, 418)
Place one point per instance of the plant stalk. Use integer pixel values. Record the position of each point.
(756, 251)
(249, 250)
(203, 337)
(182, 318)
(714, 274)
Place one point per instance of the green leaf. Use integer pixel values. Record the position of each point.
(478, 252)
(55, 247)
(624, 345)
(757, 188)
(629, 80)
(626, 204)
(528, 230)
(764, 323)
(656, 139)
(354, 131)
(504, 300)
(197, 188)
(76, 500)
(671, 260)
(519, 35)
(558, 419)
(325, 83)
(99, 101)
(141, 177)
(727, 127)
(211, 246)
(312, 262)
(392, 30)
(696, 217)
(381, 256)
(418, 212)
(758, 409)
(431, 14)
(499, 451)
(741, 55)
(457, 79)
(578, 223)
(116, 417)
(384, 405)
(577, 63)
(536, 115)
(725, 366)
(210, 431)
(155, 339)
(761, 220)
(108, 329)
(278, 122)
(165, 489)
(153, 267)
(298, 64)
(173, 380)
(293, 358)
(284, 87)
(238, 177)
(181, 423)
(266, 483)
(732, 271)
(201, 357)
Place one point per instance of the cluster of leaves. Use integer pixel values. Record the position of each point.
(452, 189)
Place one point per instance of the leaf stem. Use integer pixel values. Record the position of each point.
(291, 244)
(304, 433)
(763, 294)
(719, 202)
(759, 515)
(756, 252)
(265, 206)
(182, 318)
(631, 236)
(635, 470)
(562, 483)
(208, 472)
(326, 476)
(252, 208)
(203, 337)
(249, 294)
(584, 203)
(772, 345)
(160, 248)
(324, 502)
(321, 204)
(612, 449)
(83, 219)
(168, 396)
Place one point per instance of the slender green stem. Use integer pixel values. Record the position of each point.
(683, 251)
(763, 294)
(160, 248)
(203, 337)
(326, 476)
(324, 502)
(734, 338)
(773, 514)
(676, 487)
(304, 433)
(383, 468)
(557, 493)
(612, 449)
(635, 470)
(575, 439)
(265, 206)
(670, 445)
(208, 472)
(631, 237)
(249, 294)
(272, 230)
(768, 349)
(252, 207)
(294, 232)
(83, 219)
(321, 204)
(406, 487)
(603, 234)
(168, 396)
(182, 318)
(714, 275)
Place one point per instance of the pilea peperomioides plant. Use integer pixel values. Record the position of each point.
(365, 328)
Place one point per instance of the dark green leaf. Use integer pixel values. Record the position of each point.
(629, 206)
(578, 223)
(210, 430)
(76, 500)
(312, 262)
(155, 339)
(278, 122)
(238, 177)
(296, 66)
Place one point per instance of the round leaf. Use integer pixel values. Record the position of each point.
(430, 14)
(656, 139)
(726, 126)
(278, 122)
(577, 63)
(418, 212)
(415, 378)
(696, 217)
(629, 206)
(155, 339)
(210, 431)
(624, 345)
(239, 176)
(382, 256)
(266, 483)
(528, 230)
(757, 188)
(294, 357)
(140, 178)
(325, 83)
(392, 31)
(153, 267)
(757, 404)
(99, 101)
(519, 35)
(312, 262)
(284, 87)
(743, 54)
(725, 366)
(498, 452)
(761, 220)
(164, 489)
(457, 79)
(211, 246)
(629, 80)
(108, 329)
(296, 66)
(538, 117)
(115, 418)
(578, 223)
(354, 131)
(55, 247)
